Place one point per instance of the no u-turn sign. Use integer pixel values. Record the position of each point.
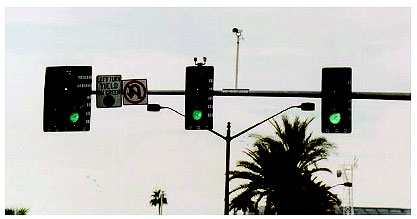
(135, 92)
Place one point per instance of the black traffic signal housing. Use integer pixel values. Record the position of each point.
(199, 97)
(336, 101)
(67, 98)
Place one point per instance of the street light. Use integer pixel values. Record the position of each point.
(307, 106)
(157, 108)
(346, 184)
(238, 33)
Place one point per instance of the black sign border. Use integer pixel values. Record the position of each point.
(97, 88)
(145, 93)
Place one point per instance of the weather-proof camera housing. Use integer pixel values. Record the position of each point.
(237, 30)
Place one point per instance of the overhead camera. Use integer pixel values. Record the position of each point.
(236, 30)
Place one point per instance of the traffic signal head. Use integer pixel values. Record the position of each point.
(67, 102)
(336, 101)
(199, 97)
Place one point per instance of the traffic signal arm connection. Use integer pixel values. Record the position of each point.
(304, 94)
(67, 98)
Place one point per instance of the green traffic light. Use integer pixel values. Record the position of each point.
(197, 114)
(74, 117)
(335, 118)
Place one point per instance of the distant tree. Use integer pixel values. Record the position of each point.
(281, 172)
(158, 198)
(16, 211)
(9, 211)
(22, 211)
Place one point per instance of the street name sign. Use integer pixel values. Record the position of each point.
(109, 91)
(135, 92)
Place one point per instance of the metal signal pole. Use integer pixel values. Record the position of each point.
(238, 33)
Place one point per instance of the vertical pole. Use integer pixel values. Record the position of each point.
(226, 187)
(237, 59)
(351, 190)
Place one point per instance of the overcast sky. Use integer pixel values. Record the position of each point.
(129, 152)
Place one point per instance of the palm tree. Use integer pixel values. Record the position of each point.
(9, 211)
(158, 198)
(16, 211)
(281, 172)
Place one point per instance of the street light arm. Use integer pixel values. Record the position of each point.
(248, 129)
(166, 107)
(346, 184)
(212, 131)
(157, 107)
(216, 133)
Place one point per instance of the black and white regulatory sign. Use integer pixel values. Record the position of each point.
(135, 92)
(109, 91)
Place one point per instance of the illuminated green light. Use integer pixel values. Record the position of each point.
(197, 114)
(335, 118)
(74, 117)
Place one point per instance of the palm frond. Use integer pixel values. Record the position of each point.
(245, 175)
(254, 167)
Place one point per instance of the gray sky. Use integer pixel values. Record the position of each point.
(129, 152)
